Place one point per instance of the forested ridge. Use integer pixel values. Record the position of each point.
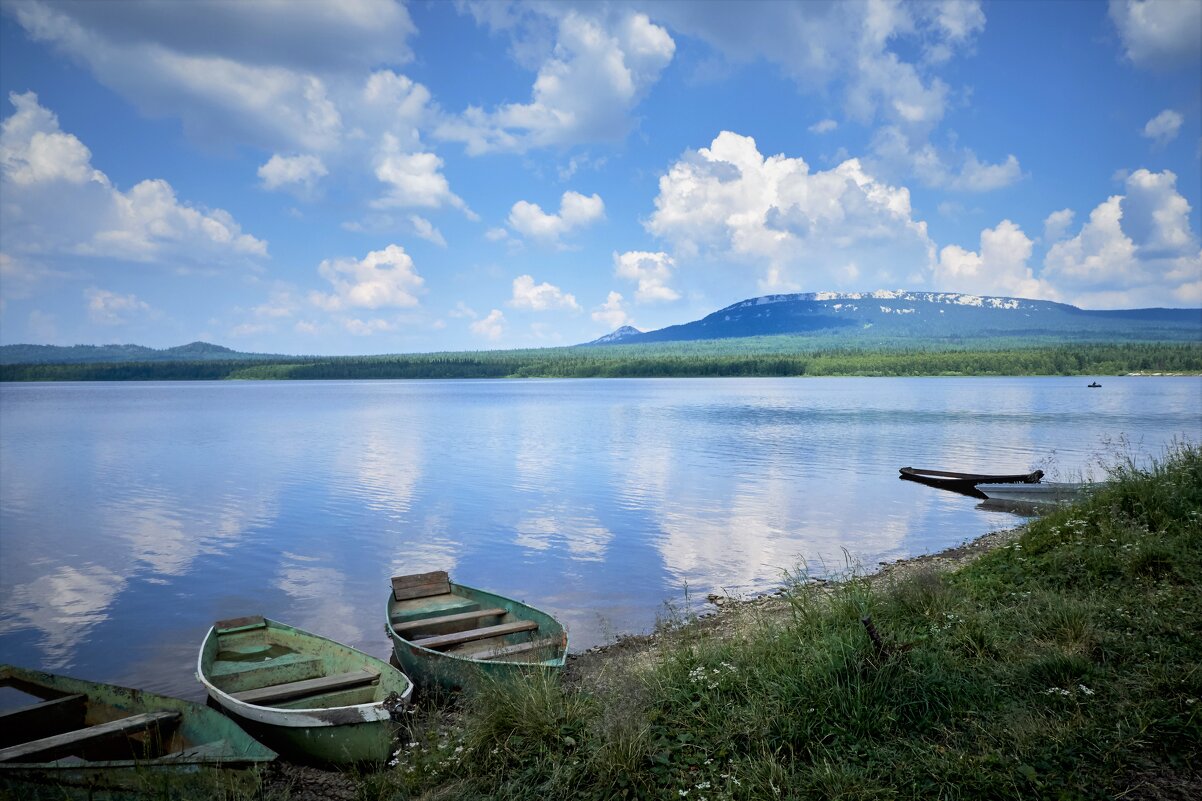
(765, 356)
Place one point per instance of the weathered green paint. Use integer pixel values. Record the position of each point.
(456, 667)
(328, 727)
(203, 739)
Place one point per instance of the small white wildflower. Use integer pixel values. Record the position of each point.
(702, 785)
(1191, 701)
(682, 793)
(1084, 689)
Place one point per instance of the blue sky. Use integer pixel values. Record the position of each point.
(370, 176)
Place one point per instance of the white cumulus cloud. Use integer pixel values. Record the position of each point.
(1164, 127)
(298, 173)
(730, 203)
(1056, 224)
(651, 271)
(999, 268)
(612, 312)
(540, 297)
(383, 278)
(1159, 34)
(1136, 249)
(575, 211)
(414, 180)
(426, 230)
(491, 326)
(65, 205)
(598, 71)
(110, 308)
(263, 73)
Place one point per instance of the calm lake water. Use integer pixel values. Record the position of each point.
(132, 515)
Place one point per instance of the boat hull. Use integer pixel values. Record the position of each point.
(965, 483)
(1038, 494)
(455, 671)
(202, 742)
(338, 727)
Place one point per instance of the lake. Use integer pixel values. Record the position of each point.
(133, 515)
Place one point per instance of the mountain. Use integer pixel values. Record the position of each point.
(902, 314)
(87, 354)
(622, 334)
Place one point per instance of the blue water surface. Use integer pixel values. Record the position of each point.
(133, 515)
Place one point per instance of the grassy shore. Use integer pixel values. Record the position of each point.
(1067, 664)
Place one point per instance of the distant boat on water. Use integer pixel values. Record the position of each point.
(965, 483)
(1093, 385)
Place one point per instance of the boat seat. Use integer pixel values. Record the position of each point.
(297, 689)
(421, 585)
(447, 640)
(60, 745)
(414, 625)
(294, 662)
(42, 719)
(513, 650)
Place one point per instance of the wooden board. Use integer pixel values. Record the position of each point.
(296, 689)
(513, 650)
(42, 719)
(240, 624)
(414, 625)
(420, 585)
(447, 640)
(60, 745)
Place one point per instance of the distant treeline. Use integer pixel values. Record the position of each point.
(651, 361)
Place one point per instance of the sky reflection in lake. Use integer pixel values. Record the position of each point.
(133, 515)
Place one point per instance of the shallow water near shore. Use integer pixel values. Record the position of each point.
(132, 515)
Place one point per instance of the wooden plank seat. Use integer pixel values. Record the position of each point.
(447, 640)
(294, 662)
(60, 745)
(298, 689)
(414, 625)
(513, 650)
(42, 719)
(421, 585)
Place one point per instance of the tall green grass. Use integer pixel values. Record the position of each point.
(1066, 665)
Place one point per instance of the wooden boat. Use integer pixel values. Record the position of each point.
(965, 483)
(310, 698)
(1051, 492)
(103, 740)
(451, 634)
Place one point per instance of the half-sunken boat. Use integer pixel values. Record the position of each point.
(310, 698)
(965, 483)
(102, 740)
(1049, 493)
(451, 634)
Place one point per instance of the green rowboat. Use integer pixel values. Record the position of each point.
(100, 740)
(451, 634)
(310, 698)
